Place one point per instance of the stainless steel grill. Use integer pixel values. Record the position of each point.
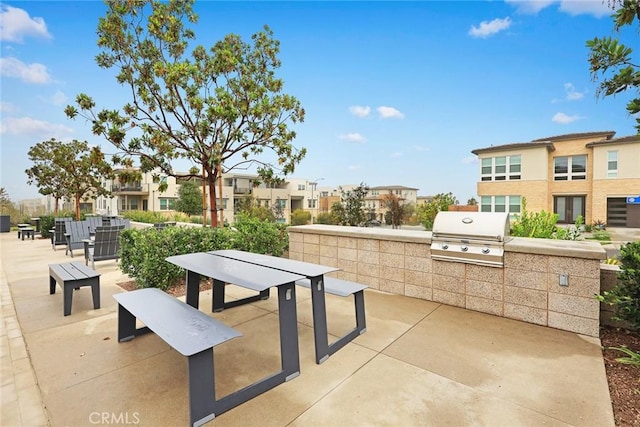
(470, 237)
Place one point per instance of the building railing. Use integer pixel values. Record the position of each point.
(118, 188)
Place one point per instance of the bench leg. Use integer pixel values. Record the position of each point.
(361, 322)
(95, 293)
(202, 394)
(126, 324)
(67, 289)
(193, 289)
(218, 295)
(288, 317)
(52, 285)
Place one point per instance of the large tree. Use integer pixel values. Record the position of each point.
(611, 61)
(73, 170)
(220, 108)
(351, 210)
(397, 210)
(47, 174)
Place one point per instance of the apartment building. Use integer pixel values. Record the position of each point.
(591, 174)
(375, 198)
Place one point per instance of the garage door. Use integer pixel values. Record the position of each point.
(617, 212)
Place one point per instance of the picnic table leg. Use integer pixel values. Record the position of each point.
(202, 391)
(320, 331)
(193, 289)
(289, 330)
(218, 295)
(126, 325)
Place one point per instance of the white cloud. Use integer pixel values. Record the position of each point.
(564, 119)
(360, 111)
(353, 137)
(489, 28)
(572, 93)
(26, 126)
(396, 155)
(469, 160)
(354, 167)
(7, 107)
(32, 73)
(597, 8)
(59, 98)
(16, 24)
(389, 113)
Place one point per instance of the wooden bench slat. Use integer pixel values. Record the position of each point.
(334, 286)
(183, 327)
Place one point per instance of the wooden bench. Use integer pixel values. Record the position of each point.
(187, 330)
(72, 276)
(342, 288)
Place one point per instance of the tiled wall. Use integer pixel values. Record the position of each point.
(527, 287)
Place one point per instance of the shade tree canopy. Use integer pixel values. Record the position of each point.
(219, 108)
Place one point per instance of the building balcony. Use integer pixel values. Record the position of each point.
(129, 189)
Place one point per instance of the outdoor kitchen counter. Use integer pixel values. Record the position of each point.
(564, 248)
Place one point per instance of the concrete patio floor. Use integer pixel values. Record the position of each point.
(419, 362)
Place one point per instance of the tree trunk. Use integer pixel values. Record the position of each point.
(55, 208)
(77, 197)
(213, 202)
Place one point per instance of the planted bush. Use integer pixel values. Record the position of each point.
(148, 217)
(143, 252)
(625, 296)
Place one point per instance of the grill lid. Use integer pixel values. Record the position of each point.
(486, 226)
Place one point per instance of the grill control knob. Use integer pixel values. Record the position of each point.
(445, 246)
(485, 251)
(464, 248)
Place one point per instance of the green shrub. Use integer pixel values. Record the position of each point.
(534, 224)
(625, 296)
(46, 224)
(300, 217)
(148, 217)
(143, 251)
(326, 218)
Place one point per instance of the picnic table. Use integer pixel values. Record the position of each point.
(257, 278)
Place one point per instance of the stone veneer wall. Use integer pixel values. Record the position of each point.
(527, 288)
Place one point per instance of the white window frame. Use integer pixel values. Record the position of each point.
(511, 204)
(570, 175)
(612, 164)
(497, 169)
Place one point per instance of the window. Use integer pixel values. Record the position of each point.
(167, 204)
(281, 203)
(311, 203)
(612, 164)
(301, 187)
(514, 167)
(569, 208)
(509, 204)
(571, 168)
(501, 168)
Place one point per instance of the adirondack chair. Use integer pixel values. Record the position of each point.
(94, 222)
(75, 232)
(104, 246)
(57, 232)
(121, 221)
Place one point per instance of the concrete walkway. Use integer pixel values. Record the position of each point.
(419, 363)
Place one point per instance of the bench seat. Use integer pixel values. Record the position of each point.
(72, 276)
(187, 330)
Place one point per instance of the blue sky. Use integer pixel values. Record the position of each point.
(395, 93)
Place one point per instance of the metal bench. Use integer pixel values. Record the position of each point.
(342, 288)
(186, 329)
(72, 276)
(26, 231)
